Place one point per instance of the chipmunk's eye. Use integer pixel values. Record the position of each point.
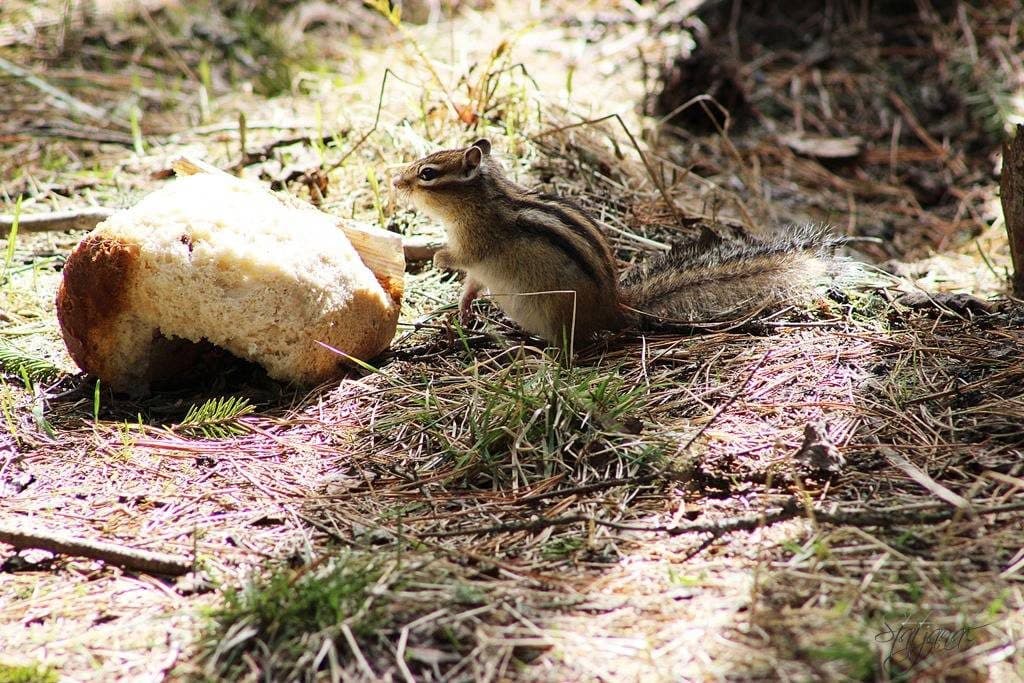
(428, 173)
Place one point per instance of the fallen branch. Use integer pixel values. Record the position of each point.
(130, 558)
(750, 523)
(791, 510)
(75, 219)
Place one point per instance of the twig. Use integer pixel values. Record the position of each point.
(74, 219)
(264, 153)
(354, 646)
(130, 558)
(403, 640)
(373, 128)
(68, 131)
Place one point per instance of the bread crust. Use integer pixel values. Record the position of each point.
(92, 294)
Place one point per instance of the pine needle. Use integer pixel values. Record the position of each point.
(217, 418)
(18, 364)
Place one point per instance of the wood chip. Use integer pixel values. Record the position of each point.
(823, 148)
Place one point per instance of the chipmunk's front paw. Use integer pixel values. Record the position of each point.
(443, 259)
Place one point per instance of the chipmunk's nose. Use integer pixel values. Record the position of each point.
(396, 181)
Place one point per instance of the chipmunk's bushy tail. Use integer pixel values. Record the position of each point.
(716, 279)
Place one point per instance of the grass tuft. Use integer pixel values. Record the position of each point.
(12, 241)
(286, 622)
(853, 652)
(526, 421)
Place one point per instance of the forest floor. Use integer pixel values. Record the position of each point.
(834, 493)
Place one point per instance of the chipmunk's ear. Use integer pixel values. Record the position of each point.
(471, 159)
(484, 144)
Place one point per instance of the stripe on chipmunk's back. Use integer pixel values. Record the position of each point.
(576, 237)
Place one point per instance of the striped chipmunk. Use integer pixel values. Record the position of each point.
(548, 266)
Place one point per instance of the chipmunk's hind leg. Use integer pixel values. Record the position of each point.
(470, 290)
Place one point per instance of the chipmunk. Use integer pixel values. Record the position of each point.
(549, 267)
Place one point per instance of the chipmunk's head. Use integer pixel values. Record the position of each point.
(439, 182)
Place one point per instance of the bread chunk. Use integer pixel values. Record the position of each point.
(213, 258)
